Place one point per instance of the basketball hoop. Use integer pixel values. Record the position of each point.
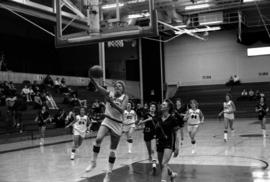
(115, 43)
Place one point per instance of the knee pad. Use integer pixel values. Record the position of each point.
(112, 153)
(112, 159)
(130, 140)
(193, 142)
(225, 131)
(96, 149)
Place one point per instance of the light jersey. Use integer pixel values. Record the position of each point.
(80, 126)
(113, 113)
(194, 116)
(228, 107)
(129, 117)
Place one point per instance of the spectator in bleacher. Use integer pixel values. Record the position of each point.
(19, 107)
(37, 100)
(43, 118)
(57, 85)
(236, 80)
(244, 93)
(50, 101)
(59, 118)
(75, 101)
(10, 102)
(48, 81)
(251, 94)
(35, 87)
(2, 96)
(26, 93)
(3, 64)
(64, 89)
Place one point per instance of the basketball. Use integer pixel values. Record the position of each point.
(96, 71)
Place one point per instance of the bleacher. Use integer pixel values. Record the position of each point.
(30, 128)
(211, 97)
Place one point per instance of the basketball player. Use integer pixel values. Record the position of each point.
(180, 113)
(149, 134)
(228, 111)
(262, 109)
(167, 136)
(43, 118)
(130, 118)
(194, 118)
(116, 103)
(80, 127)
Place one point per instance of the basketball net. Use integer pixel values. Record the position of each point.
(115, 43)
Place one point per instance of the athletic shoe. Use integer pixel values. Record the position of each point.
(91, 166)
(107, 177)
(72, 156)
(173, 176)
(154, 167)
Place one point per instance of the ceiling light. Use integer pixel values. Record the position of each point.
(259, 51)
(138, 15)
(249, 1)
(198, 6)
(111, 6)
(181, 26)
(211, 22)
(197, 30)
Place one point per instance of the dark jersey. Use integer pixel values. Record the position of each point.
(178, 116)
(149, 126)
(165, 130)
(43, 118)
(261, 109)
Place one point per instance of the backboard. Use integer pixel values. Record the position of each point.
(81, 22)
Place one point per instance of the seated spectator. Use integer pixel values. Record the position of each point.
(236, 80)
(64, 89)
(244, 93)
(3, 65)
(10, 102)
(35, 87)
(50, 101)
(75, 101)
(251, 94)
(37, 100)
(57, 84)
(2, 96)
(48, 81)
(19, 107)
(26, 93)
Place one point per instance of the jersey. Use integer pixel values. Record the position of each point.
(80, 126)
(178, 112)
(113, 113)
(194, 116)
(262, 109)
(129, 117)
(228, 107)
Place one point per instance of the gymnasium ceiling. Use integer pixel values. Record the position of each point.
(254, 14)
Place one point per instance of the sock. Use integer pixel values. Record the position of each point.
(111, 163)
(264, 132)
(225, 134)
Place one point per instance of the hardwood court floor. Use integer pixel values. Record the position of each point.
(244, 158)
